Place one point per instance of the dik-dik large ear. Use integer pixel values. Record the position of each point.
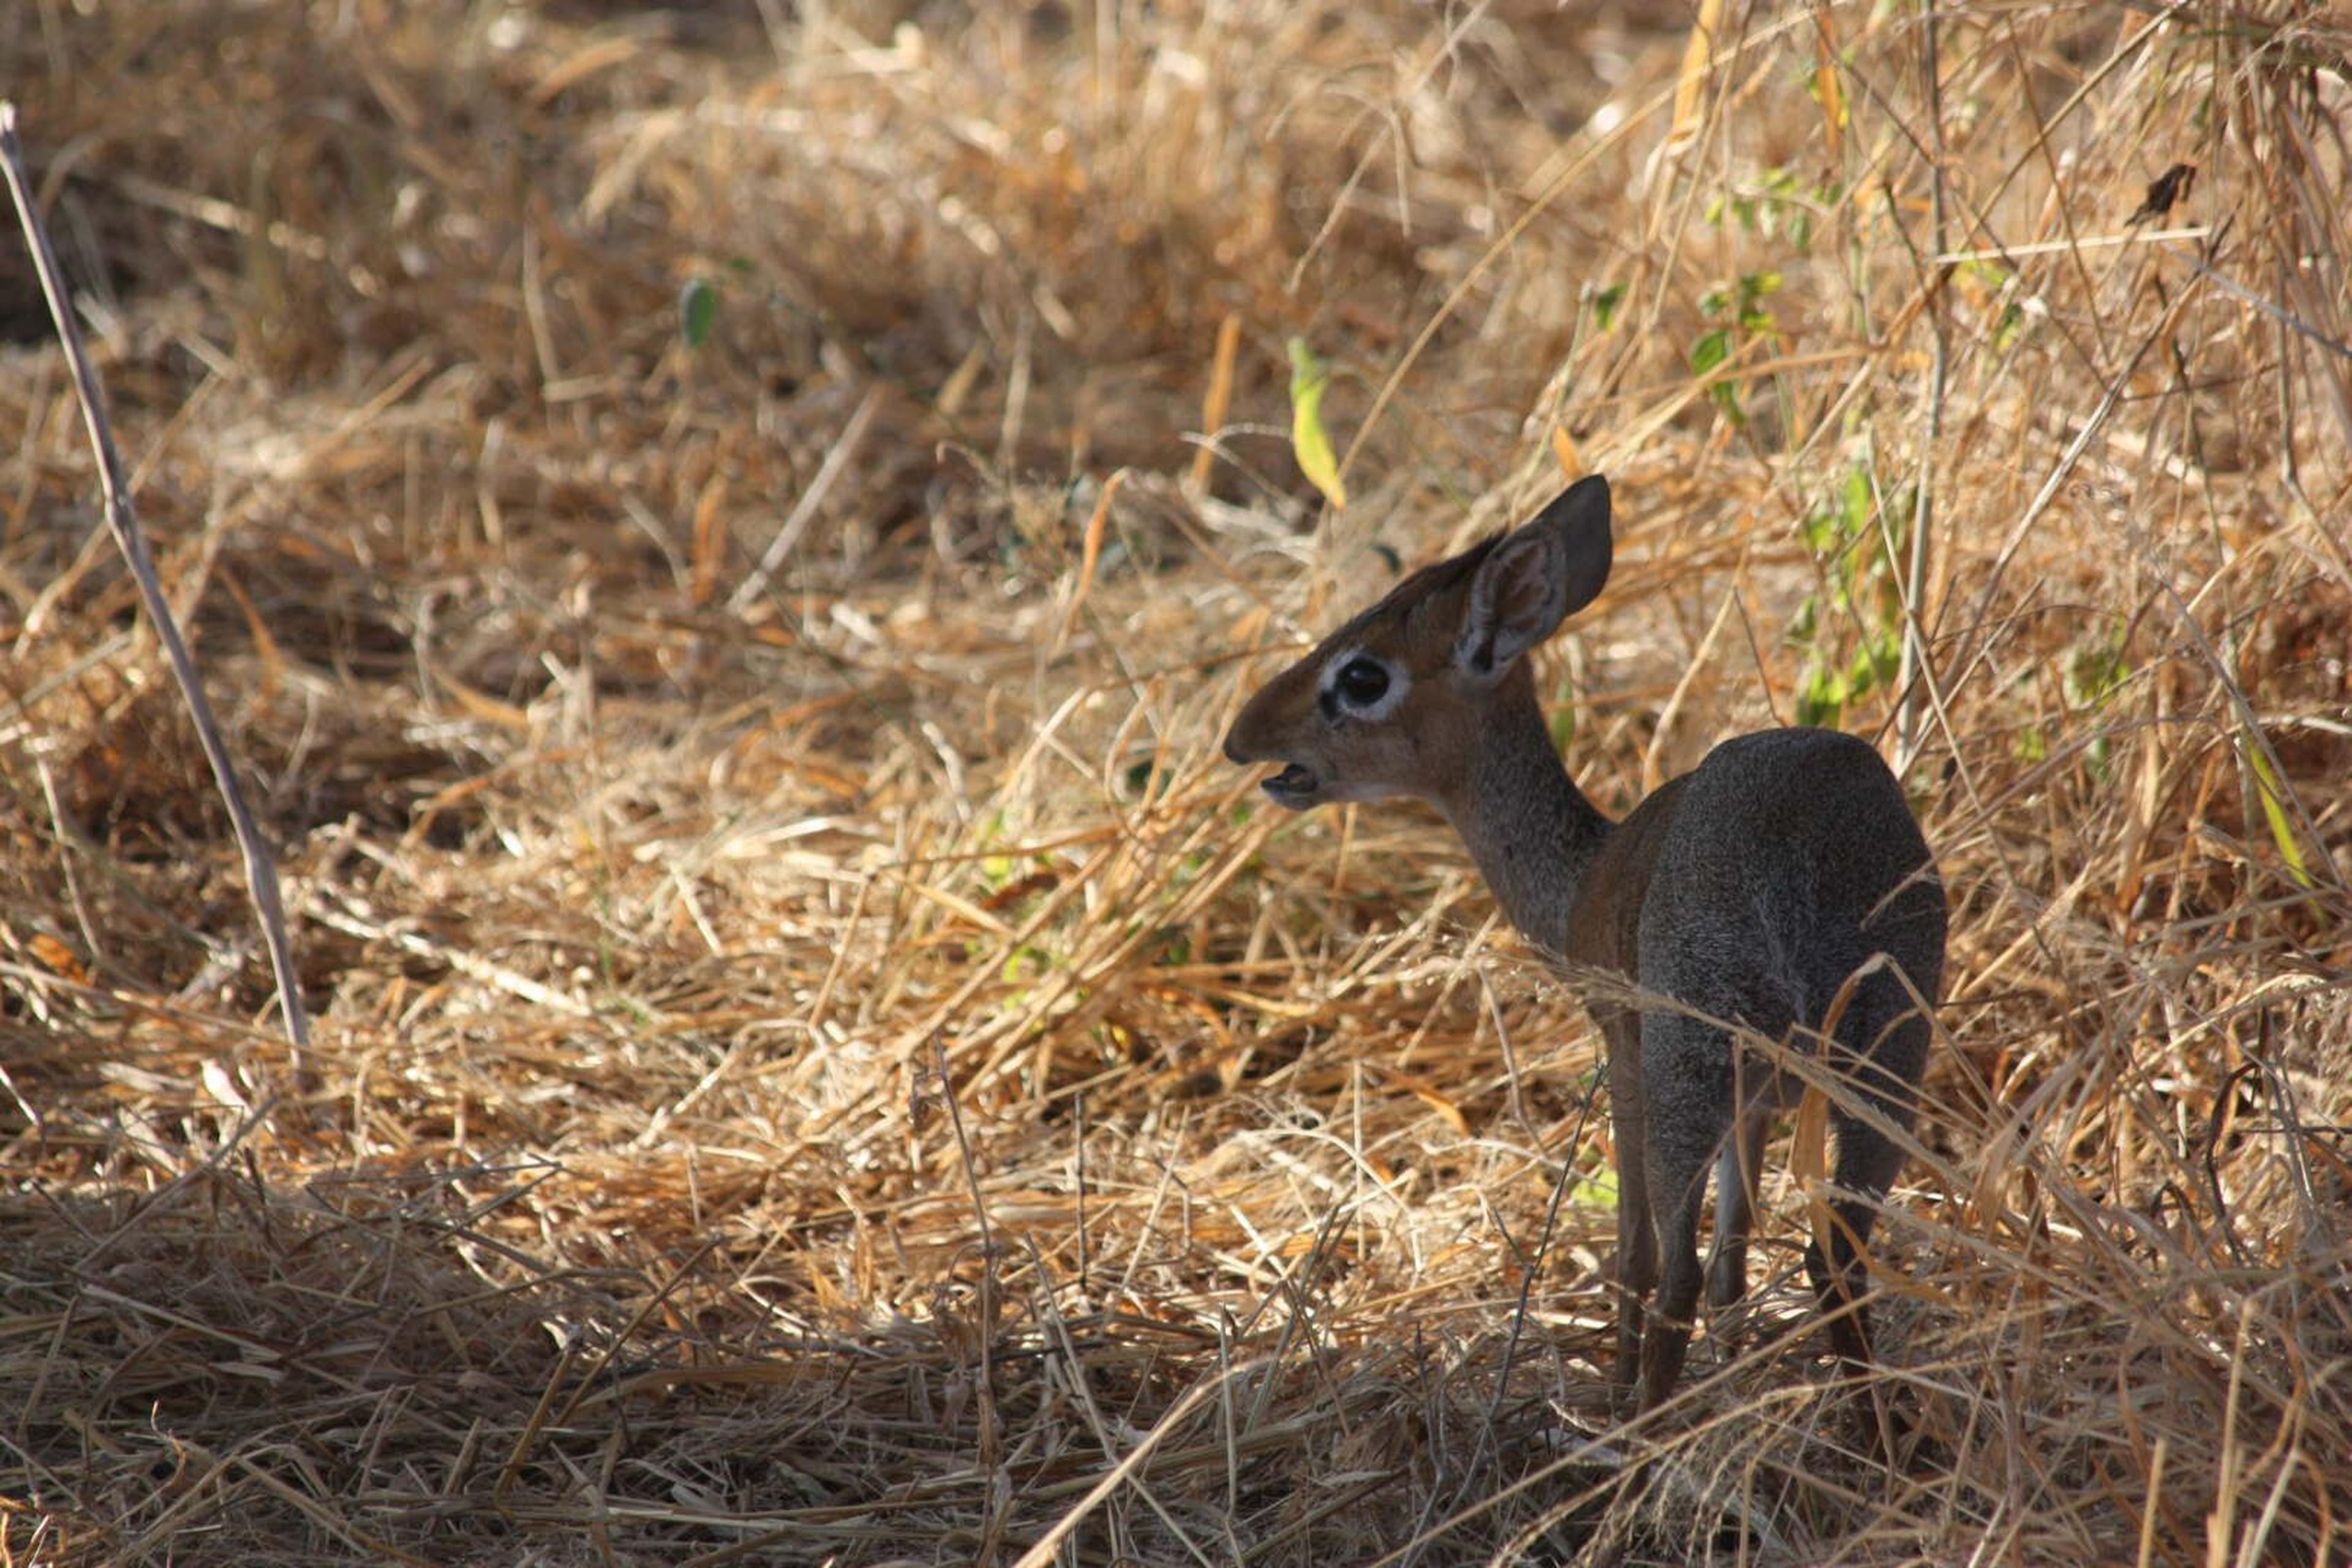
(1535, 578)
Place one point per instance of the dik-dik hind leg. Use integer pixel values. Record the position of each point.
(1882, 1062)
(1868, 1162)
(1737, 1172)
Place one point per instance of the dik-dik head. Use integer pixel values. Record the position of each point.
(1396, 701)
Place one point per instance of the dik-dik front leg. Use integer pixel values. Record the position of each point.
(1637, 1235)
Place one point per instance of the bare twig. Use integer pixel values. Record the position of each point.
(260, 871)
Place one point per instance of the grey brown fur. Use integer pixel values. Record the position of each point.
(1752, 891)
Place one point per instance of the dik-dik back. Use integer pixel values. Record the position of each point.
(1779, 890)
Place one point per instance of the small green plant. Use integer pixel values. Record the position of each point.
(1779, 204)
(1860, 589)
(1606, 302)
(2095, 671)
(996, 870)
(1595, 1189)
(698, 311)
(2012, 325)
(1023, 964)
(1740, 314)
(1998, 282)
(1145, 778)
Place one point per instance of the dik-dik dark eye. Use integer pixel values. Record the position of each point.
(1362, 682)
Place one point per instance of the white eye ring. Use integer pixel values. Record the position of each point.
(1361, 686)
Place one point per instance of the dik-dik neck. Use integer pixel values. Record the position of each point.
(1523, 819)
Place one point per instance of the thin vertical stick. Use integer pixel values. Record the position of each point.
(1922, 511)
(260, 871)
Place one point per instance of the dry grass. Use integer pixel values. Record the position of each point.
(842, 1072)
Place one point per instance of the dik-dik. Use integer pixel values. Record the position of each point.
(1752, 891)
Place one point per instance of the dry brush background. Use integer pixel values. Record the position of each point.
(819, 1060)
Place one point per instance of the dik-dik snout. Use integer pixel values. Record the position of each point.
(1351, 720)
(1756, 897)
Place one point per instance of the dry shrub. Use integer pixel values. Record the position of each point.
(821, 1061)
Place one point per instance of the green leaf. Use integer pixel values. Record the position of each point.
(1309, 442)
(2274, 801)
(1873, 665)
(1604, 306)
(1563, 717)
(1711, 350)
(2095, 671)
(1142, 776)
(2011, 324)
(698, 311)
(1855, 497)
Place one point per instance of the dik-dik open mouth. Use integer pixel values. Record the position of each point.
(1295, 786)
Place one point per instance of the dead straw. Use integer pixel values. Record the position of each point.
(857, 1079)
